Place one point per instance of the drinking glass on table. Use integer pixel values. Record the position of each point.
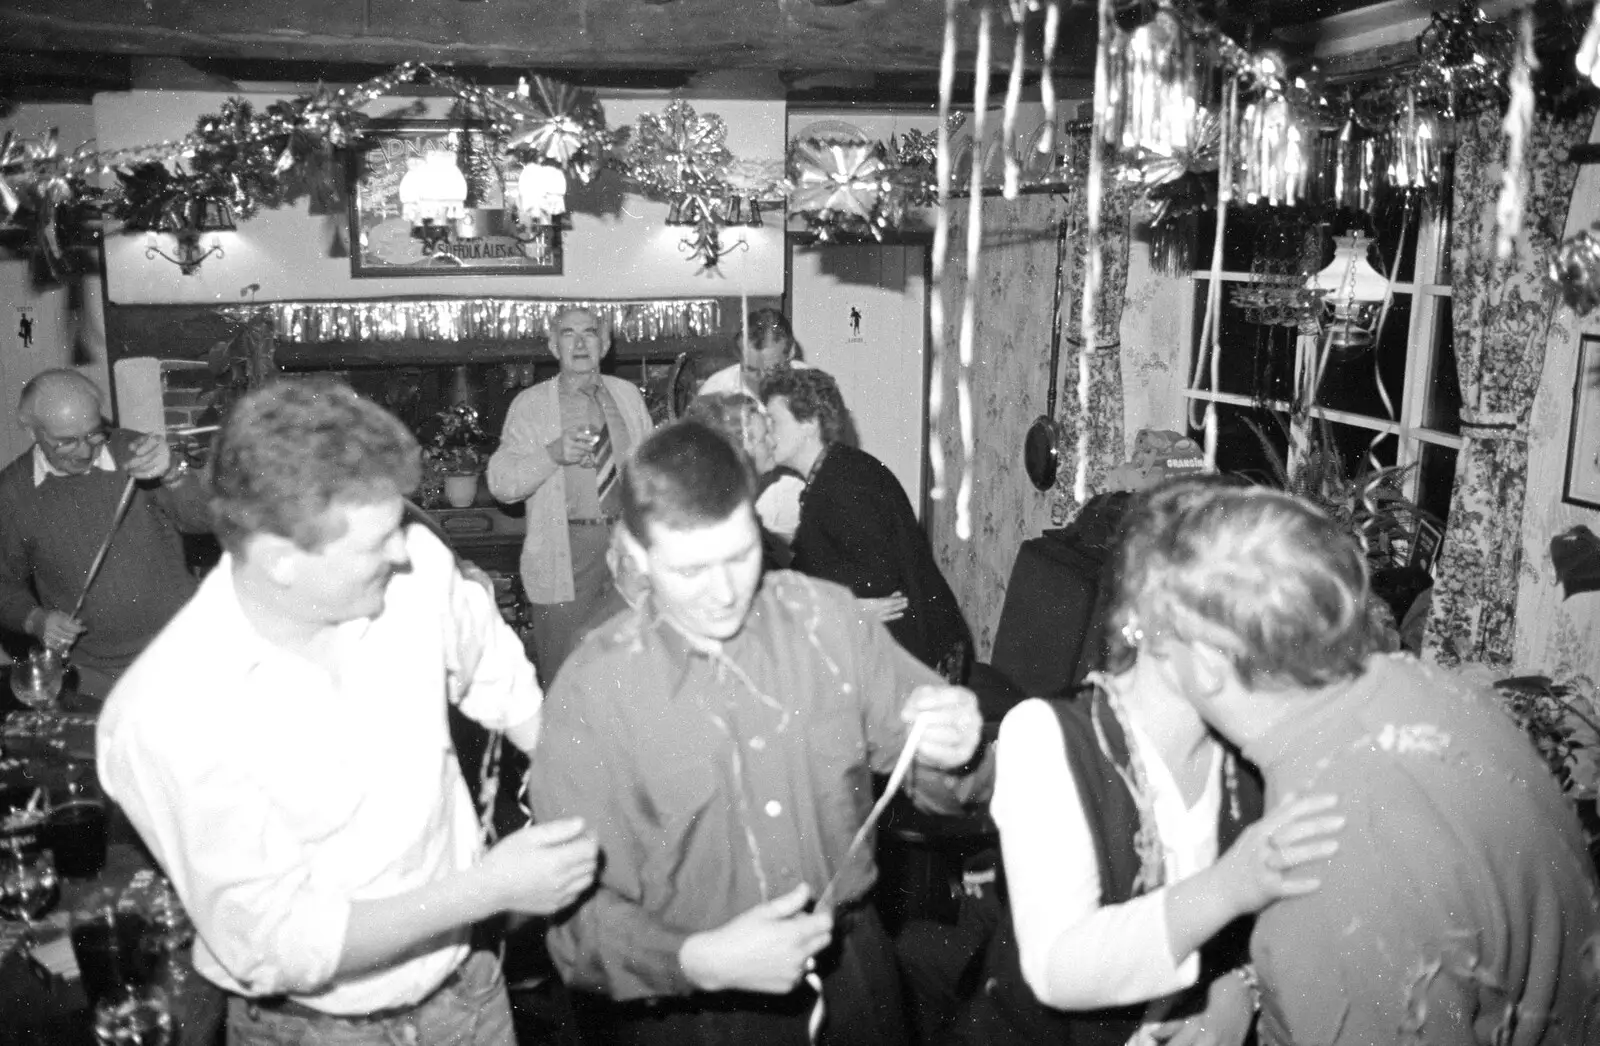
(29, 885)
(36, 679)
(133, 1015)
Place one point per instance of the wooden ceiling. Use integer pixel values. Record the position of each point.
(874, 50)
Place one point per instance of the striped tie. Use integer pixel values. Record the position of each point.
(605, 474)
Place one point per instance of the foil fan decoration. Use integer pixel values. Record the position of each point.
(844, 190)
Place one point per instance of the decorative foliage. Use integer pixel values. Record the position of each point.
(1370, 503)
(1563, 722)
(458, 446)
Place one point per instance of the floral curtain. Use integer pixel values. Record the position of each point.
(1104, 411)
(1501, 315)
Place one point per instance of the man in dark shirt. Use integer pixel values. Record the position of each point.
(1462, 906)
(57, 503)
(721, 738)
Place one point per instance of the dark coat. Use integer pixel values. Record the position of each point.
(857, 529)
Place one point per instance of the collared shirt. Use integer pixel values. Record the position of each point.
(1054, 878)
(585, 405)
(717, 781)
(275, 794)
(1461, 905)
(43, 470)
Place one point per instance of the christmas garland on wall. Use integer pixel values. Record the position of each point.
(1158, 125)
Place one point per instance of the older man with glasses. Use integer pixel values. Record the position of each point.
(58, 502)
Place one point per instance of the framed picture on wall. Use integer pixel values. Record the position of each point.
(484, 240)
(1582, 486)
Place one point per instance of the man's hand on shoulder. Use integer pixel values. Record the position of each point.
(764, 949)
(542, 868)
(954, 728)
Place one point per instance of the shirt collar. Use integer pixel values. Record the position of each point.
(43, 470)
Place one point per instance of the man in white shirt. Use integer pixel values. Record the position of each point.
(282, 745)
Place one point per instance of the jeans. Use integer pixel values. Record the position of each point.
(473, 1011)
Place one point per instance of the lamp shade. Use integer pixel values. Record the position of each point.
(433, 189)
(1352, 289)
(1350, 277)
(541, 193)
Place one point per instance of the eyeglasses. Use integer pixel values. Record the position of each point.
(89, 440)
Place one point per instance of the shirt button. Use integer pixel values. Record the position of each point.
(774, 808)
(758, 744)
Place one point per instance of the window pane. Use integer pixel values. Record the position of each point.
(1442, 408)
(1436, 478)
(1257, 360)
(1256, 455)
(1356, 445)
(1351, 380)
(1392, 218)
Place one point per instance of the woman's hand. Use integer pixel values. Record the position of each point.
(884, 609)
(1256, 869)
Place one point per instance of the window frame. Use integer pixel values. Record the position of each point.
(1412, 436)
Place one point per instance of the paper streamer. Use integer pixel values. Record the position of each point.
(941, 247)
(1008, 129)
(897, 777)
(140, 405)
(969, 304)
(1091, 276)
(1047, 81)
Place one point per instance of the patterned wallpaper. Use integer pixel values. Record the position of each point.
(1011, 355)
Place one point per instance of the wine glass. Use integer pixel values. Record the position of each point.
(29, 885)
(133, 1015)
(36, 679)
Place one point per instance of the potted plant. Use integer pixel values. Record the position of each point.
(454, 457)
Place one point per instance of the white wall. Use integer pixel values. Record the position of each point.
(289, 252)
(68, 325)
(879, 362)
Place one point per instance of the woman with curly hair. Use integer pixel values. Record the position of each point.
(857, 527)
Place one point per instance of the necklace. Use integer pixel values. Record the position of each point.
(1147, 842)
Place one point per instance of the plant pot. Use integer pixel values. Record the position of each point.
(461, 491)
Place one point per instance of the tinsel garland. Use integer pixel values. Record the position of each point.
(461, 319)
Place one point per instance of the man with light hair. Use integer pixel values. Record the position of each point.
(282, 747)
(561, 452)
(1461, 906)
(58, 502)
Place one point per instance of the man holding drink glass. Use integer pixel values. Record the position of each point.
(561, 452)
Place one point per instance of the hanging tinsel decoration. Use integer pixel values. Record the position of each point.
(462, 319)
(1159, 78)
(1416, 146)
(1274, 140)
(1344, 166)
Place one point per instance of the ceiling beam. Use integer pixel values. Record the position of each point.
(876, 35)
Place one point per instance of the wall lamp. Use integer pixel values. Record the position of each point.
(208, 215)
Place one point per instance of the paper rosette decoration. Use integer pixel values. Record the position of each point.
(843, 188)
